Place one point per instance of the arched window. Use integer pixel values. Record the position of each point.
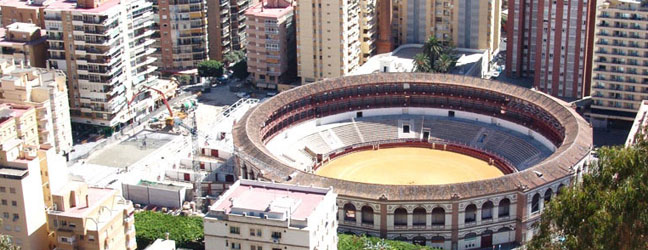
(349, 212)
(437, 239)
(535, 203)
(419, 240)
(400, 217)
(547, 196)
(560, 188)
(487, 210)
(504, 206)
(470, 236)
(438, 216)
(419, 217)
(367, 215)
(471, 213)
(504, 229)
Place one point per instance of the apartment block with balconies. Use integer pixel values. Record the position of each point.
(218, 29)
(620, 61)
(91, 218)
(105, 49)
(271, 56)
(182, 33)
(46, 91)
(329, 38)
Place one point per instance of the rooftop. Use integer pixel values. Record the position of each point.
(96, 198)
(270, 9)
(267, 197)
(72, 5)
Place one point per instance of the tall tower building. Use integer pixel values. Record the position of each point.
(548, 41)
(182, 38)
(271, 56)
(328, 38)
(104, 47)
(218, 29)
(620, 65)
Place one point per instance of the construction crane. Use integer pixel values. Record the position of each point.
(195, 150)
(171, 119)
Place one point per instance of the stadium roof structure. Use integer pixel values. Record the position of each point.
(573, 148)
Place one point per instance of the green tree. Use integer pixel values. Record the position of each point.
(186, 231)
(437, 57)
(233, 57)
(607, 210)
(240, 69)
(210, 68)
(352, 242)
(6, 243)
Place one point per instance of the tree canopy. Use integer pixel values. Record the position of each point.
(210, 68)
(607, 210)
(186, 231)
(437, 57)
(352, 242)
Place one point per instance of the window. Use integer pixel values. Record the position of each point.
(5, 215)
(91, 237)
(276, 235)
(12, 190)
(235, 230)
(252, 232)
(4, 202)
(14, 203)
(3, 189)
(406, 129)
(236, 245)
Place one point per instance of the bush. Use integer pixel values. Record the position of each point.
(186, 231)
(352, 242)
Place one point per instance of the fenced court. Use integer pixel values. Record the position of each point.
(408, 166)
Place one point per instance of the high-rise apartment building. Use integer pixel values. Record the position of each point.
(620, 65)
(28, 173)
(547, 41)
(182, 39)
(226, 26)
(46, 91)
(329, 38)
(271, 55)
(263, 215)
(466, 23)
(104, 47)
(24, 43)
(218, 29)
(84, 217)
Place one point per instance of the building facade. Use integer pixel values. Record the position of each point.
(271, 55)
(46, 91)
(91, 218)
(105, 49)
(548, 42)
(279, 216)
(467, 24)
(24, 43)
(218, 29)
(28, 173)
(23, 11)
(182, 39)
(328, 39)
(620, 66)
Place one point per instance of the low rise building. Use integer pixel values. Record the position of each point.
(46, 91)
(91, 218)
(262, 215)
(24, 43)
(23, 11)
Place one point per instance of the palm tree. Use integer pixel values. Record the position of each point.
(445, 63)
(433, 48)
(422, 63)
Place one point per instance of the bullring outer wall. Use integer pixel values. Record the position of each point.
(413, 212)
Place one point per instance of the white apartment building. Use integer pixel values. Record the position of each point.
(104, 47)
(46, 90)
(620, 62)
(330, 36)
(268, 216)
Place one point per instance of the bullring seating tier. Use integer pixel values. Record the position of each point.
(521, 150)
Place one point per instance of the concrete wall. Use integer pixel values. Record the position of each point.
(146, 195)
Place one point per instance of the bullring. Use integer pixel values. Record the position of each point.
(539, 143)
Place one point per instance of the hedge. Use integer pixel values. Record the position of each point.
(353, 242)
(186, 231)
